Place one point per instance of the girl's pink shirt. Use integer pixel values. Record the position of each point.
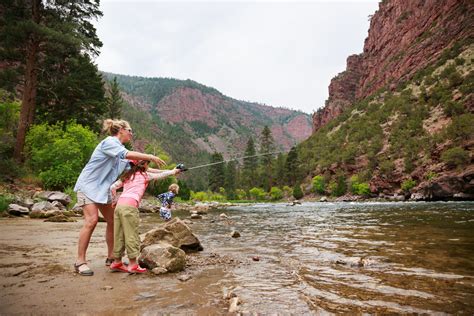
(134, 189)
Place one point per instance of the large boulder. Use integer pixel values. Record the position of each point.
(17, 210)
(163, 256)
(453, 185)
(175, 233)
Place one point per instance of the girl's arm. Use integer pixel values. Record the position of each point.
(140, 156)
(163, 174)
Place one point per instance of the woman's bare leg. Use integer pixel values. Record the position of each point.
(107, 211)
(90, 221)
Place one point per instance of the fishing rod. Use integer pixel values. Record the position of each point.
(182, 167)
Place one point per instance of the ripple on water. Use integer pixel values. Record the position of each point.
(420, 254)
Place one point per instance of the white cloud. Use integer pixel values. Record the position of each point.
(278, 53)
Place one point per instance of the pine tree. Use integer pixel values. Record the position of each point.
(230, 179)
(250, 165)
(114, 101)
(33, 31)
(292, 166)
(266, 146)
(216, 173)
(279, 170)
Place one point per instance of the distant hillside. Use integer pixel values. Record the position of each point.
(207, 118)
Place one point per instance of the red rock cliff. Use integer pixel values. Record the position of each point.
(404, 37)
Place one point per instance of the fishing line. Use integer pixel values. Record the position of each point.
(239, 158)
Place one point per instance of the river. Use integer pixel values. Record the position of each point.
(347, 257)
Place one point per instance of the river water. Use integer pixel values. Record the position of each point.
(316, 258)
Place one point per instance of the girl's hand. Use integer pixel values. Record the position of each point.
(177, 171)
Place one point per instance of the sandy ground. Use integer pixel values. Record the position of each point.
(37, 277)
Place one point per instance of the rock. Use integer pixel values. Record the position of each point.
(43, 206)
(417, 197)
(235, 234)
(107, 287)
(159, 270)
(356, 262)
(256, 258)
(26, 202)
(163, 256)
(188, 222)
(44, 214)
(17, 210)
(196, 216)
(58, 205)
(223, 216)
(184, 277)
(144, 296)
(234, 305)
(61, 218)
(201, 208)
(147, 207)
(323, 199)
(347, 198)
(60, 197)
(227, 294)
(176, 233)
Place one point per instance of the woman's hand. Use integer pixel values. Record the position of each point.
(160, 162)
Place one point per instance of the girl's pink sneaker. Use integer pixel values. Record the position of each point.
(136, 269)
(118, 267)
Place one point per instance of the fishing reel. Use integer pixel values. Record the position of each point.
(181, 167)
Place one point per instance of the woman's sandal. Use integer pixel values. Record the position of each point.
(83, 269)
(136, 269)
(118, 267)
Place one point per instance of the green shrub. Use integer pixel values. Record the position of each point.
(10, 169)
(199, 196)
(408, 184)
(431, 175)
(257, 194)
(338, 187)
(387, 167)
(9, 115)
(5, 200)
(287, 191)
(276, 193)
(217, 197)
(319, 185)
(452, 108)
(459, 61)
(240, 194)
(297, 192)
(70, 191)
(58, 155)
(461, 127)
(455, 157)
(358, 188)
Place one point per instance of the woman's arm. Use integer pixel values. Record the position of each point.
(140, 156)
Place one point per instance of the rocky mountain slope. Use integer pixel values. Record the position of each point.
(400, 119)
(210, 120)
(404, 37)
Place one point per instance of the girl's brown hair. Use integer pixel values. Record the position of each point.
(140, 166)
(112, 127)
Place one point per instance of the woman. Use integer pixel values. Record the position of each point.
(93, 187)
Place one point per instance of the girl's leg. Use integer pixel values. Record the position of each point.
(107, 211)
(119, 239)
(90, 221)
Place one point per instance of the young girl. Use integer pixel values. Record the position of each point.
(126, 219)
(166, 200)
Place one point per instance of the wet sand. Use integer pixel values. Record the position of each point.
(37, 277)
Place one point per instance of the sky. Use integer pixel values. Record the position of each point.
(279, 53)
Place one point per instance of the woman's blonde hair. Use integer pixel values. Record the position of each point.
(173, 188)
(112, 127)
